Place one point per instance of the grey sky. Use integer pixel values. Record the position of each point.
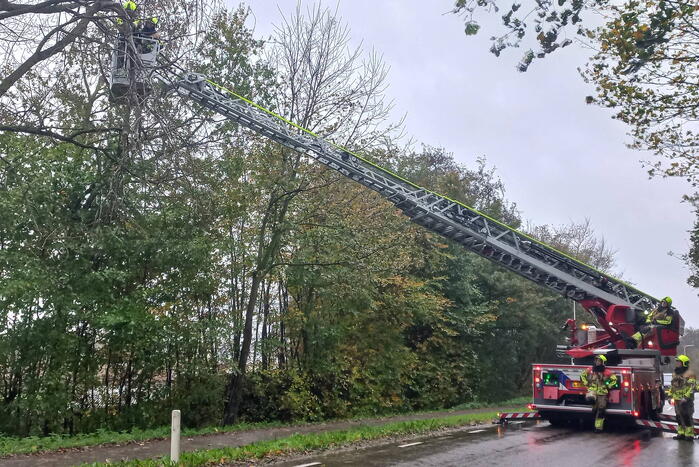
(560, 159)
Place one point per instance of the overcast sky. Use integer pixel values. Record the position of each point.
(560, 159)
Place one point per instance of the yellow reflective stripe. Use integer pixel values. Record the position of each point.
(583, 378)
(269, 112)
(664, 321)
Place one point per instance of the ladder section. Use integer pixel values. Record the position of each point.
(477, 232)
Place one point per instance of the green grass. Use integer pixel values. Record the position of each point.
(32, 444)
(11, 445)
(300, 443)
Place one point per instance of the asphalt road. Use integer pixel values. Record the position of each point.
(527, 444)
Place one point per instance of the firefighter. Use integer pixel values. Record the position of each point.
(682, 388)
(125, 28)
(598, 379)
(148, 30)
(661, 316)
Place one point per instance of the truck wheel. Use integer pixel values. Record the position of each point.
(557, 420)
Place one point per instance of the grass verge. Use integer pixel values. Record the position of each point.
(300, 443)
(33, 444)
(10, 445)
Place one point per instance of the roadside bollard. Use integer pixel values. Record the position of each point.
(175, 437)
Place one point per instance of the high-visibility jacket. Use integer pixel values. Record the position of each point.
(662, 316)
(683, 386)
(130, 6)
(599, 382)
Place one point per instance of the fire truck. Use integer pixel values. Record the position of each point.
(616, 306)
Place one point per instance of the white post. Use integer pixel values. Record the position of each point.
(175, 437)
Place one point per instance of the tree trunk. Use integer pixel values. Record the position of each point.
(235, 385)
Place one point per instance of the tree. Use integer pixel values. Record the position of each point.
(578, 241)
(109, 242)
(645, 69)
(322, 86)
(551, 21)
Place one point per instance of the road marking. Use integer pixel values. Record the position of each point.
(409, 444)
(476, 431)
(307, 465)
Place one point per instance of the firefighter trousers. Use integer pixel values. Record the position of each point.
(599, 409)
(684, 410)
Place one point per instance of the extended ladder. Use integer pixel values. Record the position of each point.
(474, 230)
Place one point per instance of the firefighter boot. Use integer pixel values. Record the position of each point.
(599, 425)
(680, 433)
(689, 433)
(634, 341)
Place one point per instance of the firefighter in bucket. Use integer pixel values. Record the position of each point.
(599, 380)
(135, 53)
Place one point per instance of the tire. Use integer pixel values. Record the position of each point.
(557, 422)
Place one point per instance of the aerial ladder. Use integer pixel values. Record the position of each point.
(617, 306)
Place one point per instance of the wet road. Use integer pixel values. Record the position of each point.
(532, 444)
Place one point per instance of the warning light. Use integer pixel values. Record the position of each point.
(650, 343)
(635, 413)
(583, 327)
(531, 406)
(537, 379)
(626, 384)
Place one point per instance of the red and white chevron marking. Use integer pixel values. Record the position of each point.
(657, 425)
(661, 426)
(671, 418)
(519, 415)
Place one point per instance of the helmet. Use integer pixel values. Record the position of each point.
(667, 300)
(602, 357)
(684, 359)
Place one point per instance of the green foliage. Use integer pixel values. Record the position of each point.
(692, 257)
(552, 23)
(645, 70)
